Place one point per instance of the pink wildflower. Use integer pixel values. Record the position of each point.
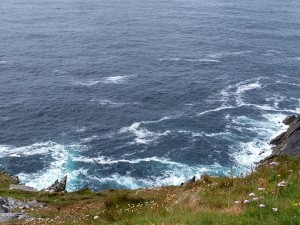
(251, 194)
(261, 189)
(246, 201)
(261, 205)
(274, 163)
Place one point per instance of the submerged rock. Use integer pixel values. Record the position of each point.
(58, 186)
(288, 143)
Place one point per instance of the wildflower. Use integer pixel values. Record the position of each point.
(274, 209)
(251, 194)
(246, 201)
(254, 199)
(281, 184)
(261, 205)
(295, 204)
(261, 189)
(274, 163)
(96, 217)
(236, 202)
(279, 175)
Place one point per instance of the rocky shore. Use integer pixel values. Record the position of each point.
(288, 142)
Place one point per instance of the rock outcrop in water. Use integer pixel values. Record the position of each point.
(58, 186)
(288, 142)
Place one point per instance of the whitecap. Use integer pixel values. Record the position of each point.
(115, 79)
(208, 60)
(110, 103)
(142, 135)
(288, 83)
(222, 54)
(2, 62)
(237, 90)
(88, 83)
(60, 72)
(216, 110)
(247, 87)
(170, 59)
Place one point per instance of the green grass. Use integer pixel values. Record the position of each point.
(211, 200)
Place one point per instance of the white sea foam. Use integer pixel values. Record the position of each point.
(115, 79)
(2, 62)
(271, 108)
(80, 129)
(60, 72)
(88, 83)
(208, 60)
(222, 54)
(236, 91)
(245, 154)
(174, 174)
(288, 83)
(108, 161)
(59, 166)
(142, 135)
(88, 139)
(215, 110)
(110, 103)
(247, 87)
(105, 80)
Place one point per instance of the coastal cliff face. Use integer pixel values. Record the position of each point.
(288, 143)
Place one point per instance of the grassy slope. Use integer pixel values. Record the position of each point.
(208, 201)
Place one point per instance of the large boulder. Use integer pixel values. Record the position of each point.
(58, 186)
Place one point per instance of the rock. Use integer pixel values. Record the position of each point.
(58, 186)
(8, 205)
(289, 120)
(193, 180)
(6, 217)
(21, 187)
(4, 205)
(15, 179)
(287, 143)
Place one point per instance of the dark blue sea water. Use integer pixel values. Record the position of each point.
(136, 93)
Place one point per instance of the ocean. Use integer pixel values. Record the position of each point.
(124, 94)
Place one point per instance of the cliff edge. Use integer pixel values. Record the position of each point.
(288, 142)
